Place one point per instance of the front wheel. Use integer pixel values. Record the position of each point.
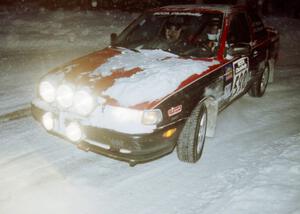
(192, 137)
(259, 87)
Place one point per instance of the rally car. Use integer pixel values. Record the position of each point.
(161, 82)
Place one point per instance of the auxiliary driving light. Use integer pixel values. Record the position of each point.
(64, 96)
(48, 121)
(73, 132)
(47, 91)
(83, 102)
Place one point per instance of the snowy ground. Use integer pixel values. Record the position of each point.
(251, 166)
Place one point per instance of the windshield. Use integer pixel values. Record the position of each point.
(185, 34)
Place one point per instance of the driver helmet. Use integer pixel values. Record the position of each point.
(173, 29)
(214, 30)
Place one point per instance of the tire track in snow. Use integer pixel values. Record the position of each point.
(15, 115)
(259, 188)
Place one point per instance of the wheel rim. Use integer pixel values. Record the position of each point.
(202, 132)
(264, 79)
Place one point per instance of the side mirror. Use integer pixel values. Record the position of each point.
(239, 50)
(113, 38)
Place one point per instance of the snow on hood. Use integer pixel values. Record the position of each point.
(161, 74)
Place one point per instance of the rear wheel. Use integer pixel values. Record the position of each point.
(259, 87)
(192, 137)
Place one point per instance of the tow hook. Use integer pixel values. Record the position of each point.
(132, 163)
(83, 146)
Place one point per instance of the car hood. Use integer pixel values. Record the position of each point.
(128, 78)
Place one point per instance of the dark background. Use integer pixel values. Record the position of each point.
(289, 8)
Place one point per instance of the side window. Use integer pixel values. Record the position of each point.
(257, 25)
(238, 30)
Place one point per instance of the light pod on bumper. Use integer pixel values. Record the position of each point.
(84, 102)
(48, 121)
(64, 96)
(73, 132)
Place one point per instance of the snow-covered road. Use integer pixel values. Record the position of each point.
(252, 165)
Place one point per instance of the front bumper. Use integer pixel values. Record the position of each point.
(132, 148)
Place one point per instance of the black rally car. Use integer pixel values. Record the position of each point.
(160, 84)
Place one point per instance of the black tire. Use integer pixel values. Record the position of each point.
(189, 146)
(259, 87)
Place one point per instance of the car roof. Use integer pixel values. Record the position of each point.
(221, 8)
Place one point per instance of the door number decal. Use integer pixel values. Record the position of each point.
(241, 71)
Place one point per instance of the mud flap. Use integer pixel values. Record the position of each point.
(272, 70)
(212, 110)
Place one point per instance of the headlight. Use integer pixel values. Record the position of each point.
(83, 102)
(152, 117)
(125, 115)
(47, 91)
(64, 96)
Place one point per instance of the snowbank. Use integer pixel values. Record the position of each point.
(34, 40)
(289, 29)
(42, 29)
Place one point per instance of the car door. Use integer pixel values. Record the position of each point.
(259, 42)
(237, 73)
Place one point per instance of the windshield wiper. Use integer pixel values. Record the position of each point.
(122, 46)
(133, 49)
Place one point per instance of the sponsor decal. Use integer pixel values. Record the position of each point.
(69, 68)
(177, 13)
(228, 73)
(227, 91)
(241, 75)
(174, 110)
